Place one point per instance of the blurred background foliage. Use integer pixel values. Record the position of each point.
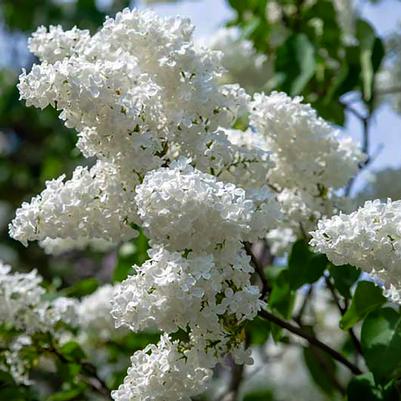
(319, 49)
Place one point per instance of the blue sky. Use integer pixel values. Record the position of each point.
(208, 15)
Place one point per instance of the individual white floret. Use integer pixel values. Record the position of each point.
(368, 238)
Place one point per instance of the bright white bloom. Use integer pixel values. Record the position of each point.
(55, 44)
(139, 93)
(163, 372)
(136, 83)
(94, 205)
(368, 238)
(22, 303)
(186, 209)
(307, 151)
(173, 292)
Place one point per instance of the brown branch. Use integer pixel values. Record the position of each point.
(365, 147)
(298, 317)
(342, 310)
(311, 340)
(259, 269)
(232, 392)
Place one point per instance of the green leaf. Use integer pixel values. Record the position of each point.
(305, 267)
(381, 342)
(82, 288)
(296, 62)
(368, 297)
(282, 297)
(321, 368)
(65, 395)
(72, 351)
(129, 255)
(258, 331)
(259, 395)
(371, 55)
(344, 278)
(364, 387)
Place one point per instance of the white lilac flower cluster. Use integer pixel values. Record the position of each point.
(311, 160)
(197, 282)
(139, 93)
(368, 238)
(149, 106)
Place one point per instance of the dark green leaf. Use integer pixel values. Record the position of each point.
(321, 368)
(282, 297)
(65, 395)
(368, 297)
(305, 267)
(82, 288)
(72, 351)
(296, 62)
(259, 395)
(344, 278)
(381, 342)
(365, 388)
(258, 331)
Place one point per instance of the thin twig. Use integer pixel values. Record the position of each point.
(89, 370)
(259, 269)
(232, 392)
(311, 339)
(298, 317)
(342, 310)
(365, 147)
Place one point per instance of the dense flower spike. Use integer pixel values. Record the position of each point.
(93, 207)
(311, 161)
(368, 238)
(163, 372)
(194, 202)
(307, 151)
